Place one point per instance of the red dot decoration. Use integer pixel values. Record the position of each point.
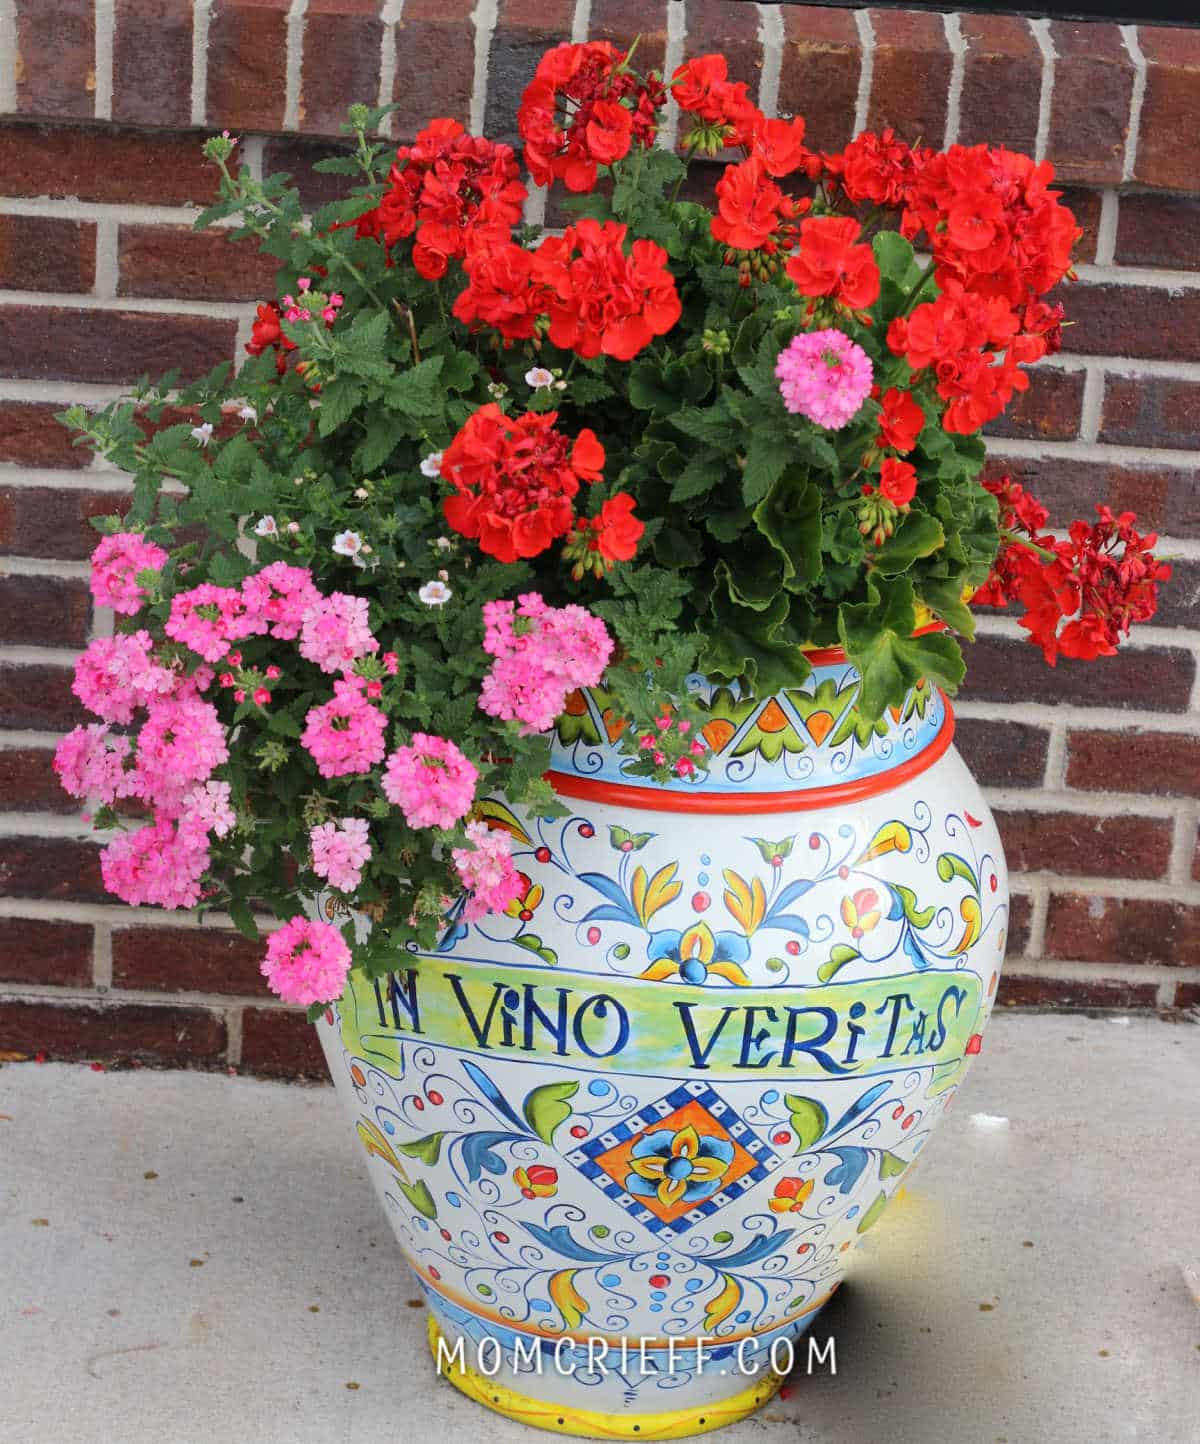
(783, 1136)
(435, 1097)
(659, 1281)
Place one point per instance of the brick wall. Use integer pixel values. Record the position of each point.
(1094, 772)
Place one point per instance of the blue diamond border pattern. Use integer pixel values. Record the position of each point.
(766, 1160)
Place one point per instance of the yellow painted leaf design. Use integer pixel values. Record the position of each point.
(746, 902)
(891, 837)
(731, 971)
(567, 1299)
(374, 1142)
(972, 915)
(495, 814)
(650, 896)
(659, 969)
(723, 1304)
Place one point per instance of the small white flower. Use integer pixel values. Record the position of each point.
(266, 526)
(361, 492)
(560, 386)
(248, 413)
(443, 575)
(202, 434)
(293, 527)
(435, 594)
(347, 544)
(443, 543)
(497, 389)
(538, 376)
(431, 465)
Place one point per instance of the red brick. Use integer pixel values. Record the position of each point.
(435, 64)
(1159, 494)
(1153, 679)
(1085, 205)
(36, 521)
(1020, 910)
(39, 698)
(1179, 599)
(177, 261)
(1157, 762)
(112, 1032)
(1146, 321)
(1091, 846)
(181, 960)
(1002, 754)
(43, 253)
(620, 22)
(1170, 109)
(1151, 411)
(56, 57)
(44, 611)
(715, 25)
(247, 64)
(1002, 83)
(28, 782)
(1187, 995)
(1090, 104)
(1157, 230)
(30, 436)
(281, 1045)
(117, 167)
(58, 868)
(53, 343)
(1048, 411)
(822, 63)
(525, 29)
(35, 951)
(911, 78)
(152, 62)
(340, 65)
(1086, 993)
(1122, 930)
(296, 158)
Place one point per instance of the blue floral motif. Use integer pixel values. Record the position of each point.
(678, 1167)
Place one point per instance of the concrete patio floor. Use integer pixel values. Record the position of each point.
(196, 1259)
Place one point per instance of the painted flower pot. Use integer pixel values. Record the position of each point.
(659, 1100)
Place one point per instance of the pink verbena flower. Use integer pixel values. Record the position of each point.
(306, 962)
(160, 865)
(182, 742)
(487, 872)
(345, 734)
(339, 850)
(825, 376)
(542, 653)
(90, 762)
(116, 675)
(208, 618)
(115, 565)
(208, 808)
(336, 631)
(431, 781)
(278, 598)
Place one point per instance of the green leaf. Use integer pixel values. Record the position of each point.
(842, 954)
(918, 535)
(419, 1196)
(789, 516)
(243, 919)
(416, 391)
(943, 597)
(546, 1107)
(699, 476)
(427, 1149)
(894, 257)
(891, 1165)
(918, 916)
(766, 460)
(809, 1120)
(950, 865)
(339, 400)
(533, 944)
(744, 642)
(872, 1214)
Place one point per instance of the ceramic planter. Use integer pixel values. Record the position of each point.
(663, 1096)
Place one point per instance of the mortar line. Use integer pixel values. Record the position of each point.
(1041, 34)
(581, 21)
(234, 1017)
(668, 130)
(8, 56)
(484, 17)
(293, 102)
(201, 16)
(1078, 971)
(1039, 909)
(102, 957)
(866, 74)
(1129, 35)
(952, 24)
(1091, 404)
(1054, 776)
(107, 264)
(1106, 228)
(104, 24)
(1183, 843)
(770, 37)
(389, 18)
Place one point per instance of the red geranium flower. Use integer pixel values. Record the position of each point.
(515, 480)
(831, 261)
(267, 333)
(901, 420)
(897, 481)
(877, 168)
(723, 107)
(617, 530)
(501, 291)
(752, 212)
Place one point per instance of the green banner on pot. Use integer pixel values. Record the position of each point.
(852, 1029)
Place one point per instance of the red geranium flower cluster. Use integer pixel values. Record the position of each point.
(610, 536)
(725, 114)
(878, 169)
(515, 480)
(1104, 576)
(833, 261)
(501, 291)
(753, 213)
(454, 191)
(584, 108)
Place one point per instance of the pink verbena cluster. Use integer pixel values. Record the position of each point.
(431, 781)
(279, 596)
(339, 851)
(542, 653)
(345, 734)
(208, 618)
(181, 743)
(825, 376)
(487, 872)
(90, 762)
(116, 563)
(306, 962)
(336, 632)
(160, 864)
(116, 675)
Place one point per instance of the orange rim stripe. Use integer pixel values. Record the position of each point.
(649, 799)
